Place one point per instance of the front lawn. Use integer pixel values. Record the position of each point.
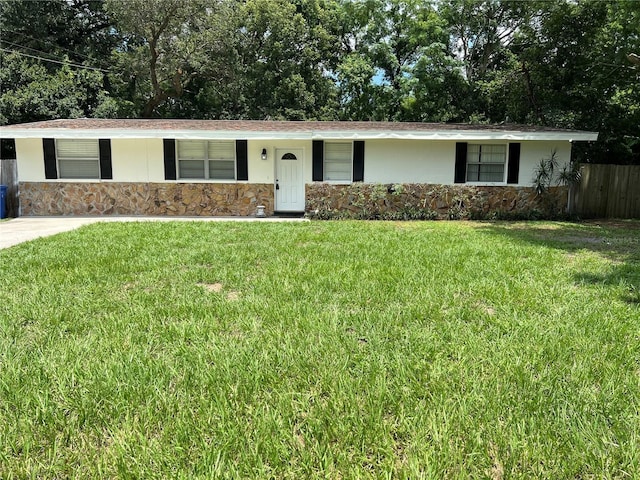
(322, 349)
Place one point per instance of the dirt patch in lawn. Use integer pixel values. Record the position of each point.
(211, 287)
(623, 224)
(218, 288)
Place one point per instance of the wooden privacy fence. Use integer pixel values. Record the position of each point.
(9, 177)
(608, 191)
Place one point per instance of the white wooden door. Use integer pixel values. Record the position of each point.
(289, 180)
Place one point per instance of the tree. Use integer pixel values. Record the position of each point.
(77, 29)
(31, 93)
(481, 30)
(560, 64)
(286, 52)
(54, 56)
(399, 59)
(169, 44)
(581, 76)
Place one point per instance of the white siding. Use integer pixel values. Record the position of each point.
(263, 171)
(137, 160)
(30, 157)
(408, 161)
(386, 161)
(532, 152)
(427, 161)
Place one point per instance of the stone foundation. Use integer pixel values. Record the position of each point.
(425, 201)
(323, 200)
(116, 198)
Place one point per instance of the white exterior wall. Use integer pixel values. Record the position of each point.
(137, 160)
(429, 161)
(532, 152)
(30, 159)
(409, 161)
(386, 160)
(263, 171)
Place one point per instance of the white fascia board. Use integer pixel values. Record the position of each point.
(460, 136)
(457, 135)
(226, 135)
(177, 134)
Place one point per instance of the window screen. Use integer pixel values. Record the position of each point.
(337, 161)
(78, 158)
(206, 159)
(485, 163)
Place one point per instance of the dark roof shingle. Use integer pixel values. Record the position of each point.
(271, 125)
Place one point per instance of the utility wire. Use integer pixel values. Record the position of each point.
(24, 35)
(33, 49)
(69, 64)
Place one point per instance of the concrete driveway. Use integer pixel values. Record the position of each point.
(23, 229)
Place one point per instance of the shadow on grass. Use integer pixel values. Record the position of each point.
(616, 241)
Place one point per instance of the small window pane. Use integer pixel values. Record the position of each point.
(222, 150)
(191, 150)
(491, 173)
(78, 168)
(472, 172)
(222, 169)
(493, 153)
(72, 148)
(191, 168)
(473, 153)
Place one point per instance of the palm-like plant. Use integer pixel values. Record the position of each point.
(569, 175)
(543, 174)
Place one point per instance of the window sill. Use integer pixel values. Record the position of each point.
(488, 184)
(195, 180)
(337, 182)
(76, 180)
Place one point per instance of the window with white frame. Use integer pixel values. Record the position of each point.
(206, 159)
(337, 161)
(486, 163)
(78, 158)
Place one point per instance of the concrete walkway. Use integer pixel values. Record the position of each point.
(23, 229)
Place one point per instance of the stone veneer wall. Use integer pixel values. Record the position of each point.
(116, 198)
(427, 201)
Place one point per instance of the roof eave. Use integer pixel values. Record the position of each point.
(468, 135)
(458, 135)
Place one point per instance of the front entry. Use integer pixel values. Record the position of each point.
(289, 180)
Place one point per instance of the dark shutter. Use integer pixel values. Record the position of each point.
(513, 170)
(242, 167)
(169, 159)
(8, 148)
(50, 168)
(358, 161)
(461, 163)
(105, 159)
(318, 161)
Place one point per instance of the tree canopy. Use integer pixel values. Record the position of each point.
(558, 64)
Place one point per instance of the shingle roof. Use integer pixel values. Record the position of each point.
(137, 128)
(270, 125)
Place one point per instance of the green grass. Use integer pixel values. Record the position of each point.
(322, 350)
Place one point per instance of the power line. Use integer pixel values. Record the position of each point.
(31, 49)
(69, 64)
(24, 35)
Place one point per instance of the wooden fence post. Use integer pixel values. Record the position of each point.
(9, 175)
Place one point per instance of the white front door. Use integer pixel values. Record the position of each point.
(289, 180)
